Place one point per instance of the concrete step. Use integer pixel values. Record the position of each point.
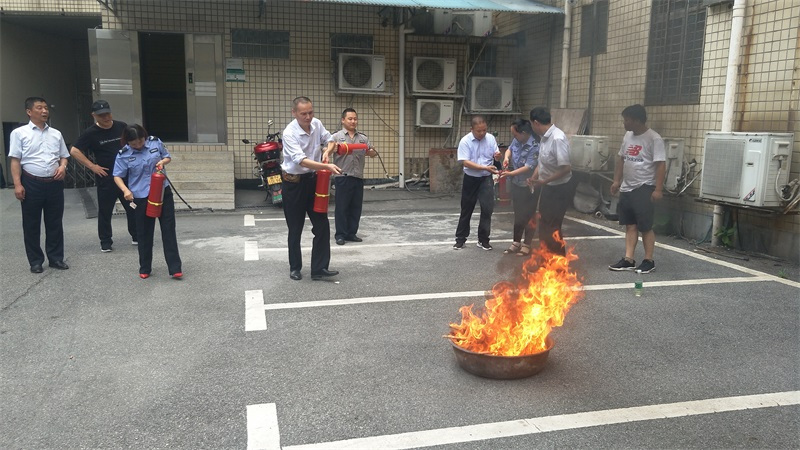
(204, 179)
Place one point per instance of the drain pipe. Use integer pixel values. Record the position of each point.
(562, 102)
(729, 102)
(401, 121)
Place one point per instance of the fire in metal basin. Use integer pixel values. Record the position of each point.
(509, 337)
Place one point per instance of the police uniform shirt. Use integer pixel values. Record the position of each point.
(139, 165)
(299, 145)
(39, 150)
(526, 154)
(352, 164)
(478, 151)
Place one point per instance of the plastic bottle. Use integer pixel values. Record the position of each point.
(638, 284)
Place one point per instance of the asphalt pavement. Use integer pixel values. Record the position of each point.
(237, 355)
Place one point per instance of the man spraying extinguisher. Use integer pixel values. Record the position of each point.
(142, 160)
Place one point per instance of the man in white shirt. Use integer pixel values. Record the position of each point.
(553, 175)
(639, 178)
(477, 151)
(303, 139)
(38, 166)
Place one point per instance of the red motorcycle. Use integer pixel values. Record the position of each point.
(268, 153)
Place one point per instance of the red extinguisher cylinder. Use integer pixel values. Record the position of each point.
(346, 149)
(322, 191)
(155, 200)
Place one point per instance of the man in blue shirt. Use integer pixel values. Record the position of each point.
(38, 166)
(477, 151)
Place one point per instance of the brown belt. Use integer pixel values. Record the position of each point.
(42, 179)
(295, 178)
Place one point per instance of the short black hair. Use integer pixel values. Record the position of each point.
(635, 112)
(348, 110)
(541, 115)
(132, 133)
(522, 126)
(477, 120)
(299, 100)
(31, 100)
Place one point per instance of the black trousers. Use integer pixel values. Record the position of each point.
(107, 195)
(525, 203)
(552, 208)
(298, 200)
(145, 227)
(476, 189)
(43, 198)
(349, 202)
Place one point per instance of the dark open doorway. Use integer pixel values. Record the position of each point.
(163, 70)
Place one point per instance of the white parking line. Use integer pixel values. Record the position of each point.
(262, 427)
(368, 217)
(693, 254)
(254, 317)
(497, 430)
(249, 220)
(251, 250)
(470, 294)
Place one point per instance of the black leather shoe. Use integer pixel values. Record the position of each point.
(37, 268)
(295, 275)
(324, 273)
(339, 241)
(355, 239)
(60, 265)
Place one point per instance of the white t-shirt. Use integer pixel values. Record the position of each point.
(639, 155)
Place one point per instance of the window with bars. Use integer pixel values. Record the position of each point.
(350, 43)
(675, 57)
(483, 60)
(259, 44)
(594, 28)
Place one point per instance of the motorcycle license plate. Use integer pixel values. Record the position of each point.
(274, 179)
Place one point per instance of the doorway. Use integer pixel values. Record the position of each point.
(163, 68)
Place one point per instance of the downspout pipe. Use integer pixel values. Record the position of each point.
(729, 102)
(562, 102)
(401, 121)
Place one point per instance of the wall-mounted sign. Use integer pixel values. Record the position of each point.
(234, 69)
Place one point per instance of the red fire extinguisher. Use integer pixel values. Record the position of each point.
(344, 149)
(322, 191)
(155, 200)
(503, 191)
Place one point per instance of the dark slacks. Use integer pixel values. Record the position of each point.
(481, 190)
(145, 227)
(349, 201)
(107, 195)
(525, 203)
(552, 207)
(298, 200)
(43, 198)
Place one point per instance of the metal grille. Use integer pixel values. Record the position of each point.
(430, 75)
(429, 113)
(722, 167)
(488, 94)
(259, 44)
(357, 71)
(675, 57)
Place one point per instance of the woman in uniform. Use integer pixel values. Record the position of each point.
(140, 156)
(519, 161)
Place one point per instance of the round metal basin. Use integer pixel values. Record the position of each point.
(502, 367)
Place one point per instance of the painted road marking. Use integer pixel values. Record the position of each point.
(693, 254)
(254, 317)
(251, 250)
(470, 294)
(497, 430)
(449, 242)
(367, 217)
(249, 220)
(262, 427)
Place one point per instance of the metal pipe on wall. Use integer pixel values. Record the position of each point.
(565, 53)
(729, 102)
(401, 122)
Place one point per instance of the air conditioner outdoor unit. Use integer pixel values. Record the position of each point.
(588, 152)
(744, 168)
(434, 75)
(434, 113)
(362, 72)
(674, 149)
(491, 94)
(462, 23)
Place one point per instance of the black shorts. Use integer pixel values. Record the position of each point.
(636, 208)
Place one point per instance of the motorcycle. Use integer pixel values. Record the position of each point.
(268, 154)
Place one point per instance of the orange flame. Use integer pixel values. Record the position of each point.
(518, 318)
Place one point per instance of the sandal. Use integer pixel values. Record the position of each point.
(515, 247)
(524, 250)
